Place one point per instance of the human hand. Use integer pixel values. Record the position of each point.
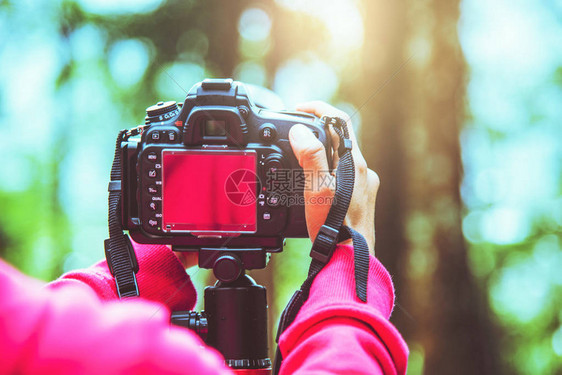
(311, 154)
(187, 258)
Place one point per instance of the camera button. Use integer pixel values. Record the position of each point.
(266, 216)
(152, 173)
(153, 222)
(152, 156)
(154, 206)
(268, 132)
(172, 136)
(155, 136)
(273, 201)
(153, 190)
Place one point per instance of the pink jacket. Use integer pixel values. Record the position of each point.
(76, 325)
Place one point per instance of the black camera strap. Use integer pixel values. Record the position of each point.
(332, 232)
(119, 252)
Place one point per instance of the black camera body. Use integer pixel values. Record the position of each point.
(217, 171)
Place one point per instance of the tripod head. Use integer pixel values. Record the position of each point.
(228, 263)
(235, 317)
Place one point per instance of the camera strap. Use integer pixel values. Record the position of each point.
(119, 252)
(332, 232)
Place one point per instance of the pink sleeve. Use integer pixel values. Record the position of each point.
(161, 278)
(66, 328)
(337, 333)
(72, 326)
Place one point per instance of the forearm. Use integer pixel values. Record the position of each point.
(65, 328)
(336, 332)
(161, 278)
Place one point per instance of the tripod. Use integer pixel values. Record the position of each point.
(235, 317)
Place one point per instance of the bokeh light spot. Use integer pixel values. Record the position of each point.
(107, 7)
(521, 290)
(175, 80)
(505, 225)
(251, 72)
(128, 60)
(254, 24)
(301, 80)
(557, 341)
(341, 17)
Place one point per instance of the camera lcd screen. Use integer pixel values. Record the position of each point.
(209, 192)
(215, 128)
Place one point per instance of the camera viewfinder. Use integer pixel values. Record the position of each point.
(215, 128)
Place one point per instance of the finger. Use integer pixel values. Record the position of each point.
(317, 108)
(310, 152)
(187, 258)
(311, 155)
(335, 145)
(320, 109)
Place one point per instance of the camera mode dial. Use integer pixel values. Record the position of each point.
(161, 111)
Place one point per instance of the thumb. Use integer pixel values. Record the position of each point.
(308, 149)
(311, 154)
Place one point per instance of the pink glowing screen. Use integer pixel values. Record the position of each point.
(209, 191)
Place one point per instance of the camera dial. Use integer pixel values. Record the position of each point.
(274, 162)
(161, 111)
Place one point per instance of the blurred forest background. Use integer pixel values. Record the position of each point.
(458, 106)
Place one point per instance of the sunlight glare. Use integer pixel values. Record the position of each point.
(341, 17)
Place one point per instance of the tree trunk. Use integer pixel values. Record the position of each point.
(223, 35)
(414, 123)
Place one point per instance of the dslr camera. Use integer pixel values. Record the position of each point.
(216, 171)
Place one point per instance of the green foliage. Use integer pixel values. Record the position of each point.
(35, 228)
